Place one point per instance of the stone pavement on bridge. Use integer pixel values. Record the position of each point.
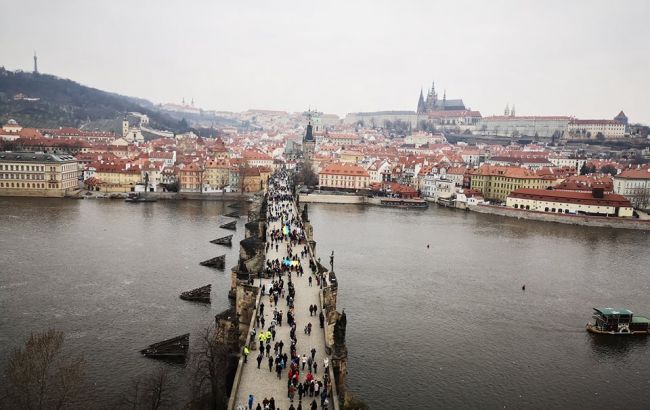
(262, 383)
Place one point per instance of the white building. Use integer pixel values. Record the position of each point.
(590, 129)
(634, 184)
(530, 126)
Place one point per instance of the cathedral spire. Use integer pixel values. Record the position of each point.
(421, 103)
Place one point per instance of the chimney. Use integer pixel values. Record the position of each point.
(598, 192)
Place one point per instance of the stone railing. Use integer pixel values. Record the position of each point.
(252, 346)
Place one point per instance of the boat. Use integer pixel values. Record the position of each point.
(614, 321)
(234, 214)
(173, 348)
(403, 203)
(201, 294)
(134, 197)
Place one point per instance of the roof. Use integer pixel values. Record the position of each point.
(345, 169)
(599, 122)
(454, 113)
(636, 173)
(528, 118)
(583, 198)
(640, 319)
(369, 114)
(608, 311)
(505, 171)
(35, 157)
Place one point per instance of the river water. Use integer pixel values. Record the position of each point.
(441, 327)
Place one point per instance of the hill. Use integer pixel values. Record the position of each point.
(52, 102)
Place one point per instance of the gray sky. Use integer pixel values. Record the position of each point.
(584, 58)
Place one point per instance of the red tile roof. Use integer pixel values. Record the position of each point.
(345, 169)
(583, 198)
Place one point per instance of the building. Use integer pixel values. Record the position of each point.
(379, 118)
(585, 203)
(113, 177)
(497, 182)
(257, 159)
(342, 139)
(570, 161)
(216, 176)
(433, 104)
(308, 143)
(463, 119)
(343, 177)
(10, 131)
(596, 129)
(634, 184)
(523, 126)
(622, 119)
(37, 174)
(251, 179)
(190, 178)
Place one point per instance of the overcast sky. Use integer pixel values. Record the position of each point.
(584, 58)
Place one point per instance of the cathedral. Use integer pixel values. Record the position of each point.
(432, 103)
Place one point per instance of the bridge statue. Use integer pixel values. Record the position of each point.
(332, 262)
(339, 331)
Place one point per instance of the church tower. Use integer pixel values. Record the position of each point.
(308, 142)
(125, 127)
(35, 63)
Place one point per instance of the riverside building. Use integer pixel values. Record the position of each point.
(497, 182)
(37, 174)
(595, 203)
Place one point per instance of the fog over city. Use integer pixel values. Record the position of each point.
(583, 58)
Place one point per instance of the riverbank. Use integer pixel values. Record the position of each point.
(583, 220)
(196, 196)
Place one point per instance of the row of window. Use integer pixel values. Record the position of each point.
(8, 167)
(27, 185)
(22, 176)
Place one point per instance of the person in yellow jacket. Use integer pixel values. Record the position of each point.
(246, 352)
(267, 335)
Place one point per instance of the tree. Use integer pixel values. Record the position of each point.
(150, 392)
(211, 364)
(600, 137)
(38, 376)
(306, 175)
(608, 169)
(584, 169)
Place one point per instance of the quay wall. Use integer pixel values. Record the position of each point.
(597, 221)
(331, 199)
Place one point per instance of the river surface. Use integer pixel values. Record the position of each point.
(446, 326)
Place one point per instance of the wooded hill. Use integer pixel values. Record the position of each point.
(62, 102)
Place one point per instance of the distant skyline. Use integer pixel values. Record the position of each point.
(587, 59)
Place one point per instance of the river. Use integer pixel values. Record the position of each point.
(446, 326)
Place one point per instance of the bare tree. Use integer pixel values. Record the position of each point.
(306, 175)
(150, 392)
(211, 364)
(38, 376)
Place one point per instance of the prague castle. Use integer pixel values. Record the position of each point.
(433, 104)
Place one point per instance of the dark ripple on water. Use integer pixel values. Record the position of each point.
(444, 327)
(449, 327)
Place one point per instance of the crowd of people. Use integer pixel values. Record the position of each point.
(283, 358)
